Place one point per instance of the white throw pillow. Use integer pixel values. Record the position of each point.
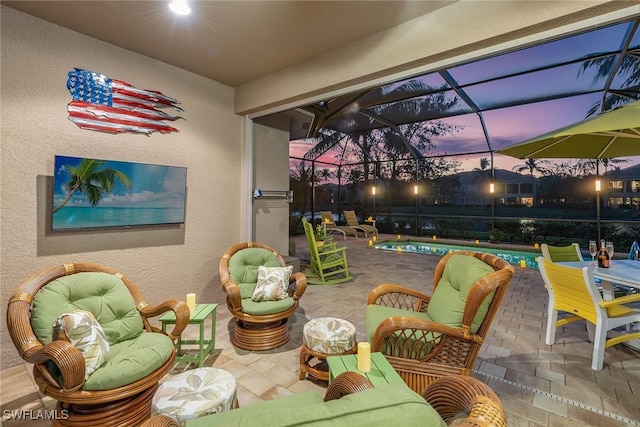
(83, 331)
(273, 283)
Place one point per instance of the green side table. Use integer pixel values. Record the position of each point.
(381, 371)
(198, 317)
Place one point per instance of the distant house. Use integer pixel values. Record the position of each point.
(510, 188)
(624, 187)
(473, 189)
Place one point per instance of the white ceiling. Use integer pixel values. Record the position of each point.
(232, 42)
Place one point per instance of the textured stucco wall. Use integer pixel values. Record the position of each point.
(35, 59)
(271, 172)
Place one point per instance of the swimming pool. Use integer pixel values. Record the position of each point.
(512, 257)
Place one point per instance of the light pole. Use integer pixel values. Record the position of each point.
(373, 193)
(492, 190)
(415, 193)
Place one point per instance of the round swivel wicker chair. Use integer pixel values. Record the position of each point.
(263, 325)
(59, 367)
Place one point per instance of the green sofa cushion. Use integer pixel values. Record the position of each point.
(247, 415)
(243, 268)
(390, 404)
(266, 307)
(130, 361)
(449, 298)
(102, 294)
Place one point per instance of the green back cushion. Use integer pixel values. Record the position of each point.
(102, 294)
(243, 268)
(389, 404)
(449, 298)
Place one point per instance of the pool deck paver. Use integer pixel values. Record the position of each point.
(539, 385)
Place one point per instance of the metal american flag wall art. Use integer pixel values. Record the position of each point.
(109, 105)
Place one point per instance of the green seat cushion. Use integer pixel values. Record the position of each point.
(243, 268)
(104, 295)
(130, 361)
(375, 314)
(389, 404)
(419, 344)
(449, 298)
(266, 307)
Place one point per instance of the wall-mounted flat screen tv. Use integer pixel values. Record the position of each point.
(91, 193)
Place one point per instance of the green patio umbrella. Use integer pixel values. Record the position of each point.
(614, 133)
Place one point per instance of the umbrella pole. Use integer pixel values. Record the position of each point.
(598, 198)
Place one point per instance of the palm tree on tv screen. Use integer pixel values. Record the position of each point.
(89, 179)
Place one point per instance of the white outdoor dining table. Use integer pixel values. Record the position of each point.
(624, 272)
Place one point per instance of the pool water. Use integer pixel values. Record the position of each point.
(512, 257)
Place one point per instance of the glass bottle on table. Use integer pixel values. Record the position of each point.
(593, 250)
(603, 256)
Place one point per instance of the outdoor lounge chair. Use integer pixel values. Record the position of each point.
(328, 263)
(574, 291)
(425, 337)
(352, 221)
(105, 366)
(330, 226)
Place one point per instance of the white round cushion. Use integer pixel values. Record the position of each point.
(195, 393)
(329, 335)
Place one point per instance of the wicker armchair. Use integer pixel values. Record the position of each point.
(424, 342)
(466, 400)
(59, 366)
(259, 325)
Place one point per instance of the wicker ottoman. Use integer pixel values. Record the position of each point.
(195, 393)
(323, 337)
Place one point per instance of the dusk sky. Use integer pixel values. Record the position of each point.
(513, 124)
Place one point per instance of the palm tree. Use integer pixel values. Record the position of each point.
(533, 165)
(483, 170)
(88, 179)
(629, 67)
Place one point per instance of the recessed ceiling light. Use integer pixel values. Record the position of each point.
(180, 7)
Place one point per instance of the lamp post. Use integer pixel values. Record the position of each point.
(373, 193)
(415, 193)
(492, 190)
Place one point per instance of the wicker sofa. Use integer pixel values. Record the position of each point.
(352, 400)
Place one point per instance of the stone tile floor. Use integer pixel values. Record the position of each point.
(539, 385)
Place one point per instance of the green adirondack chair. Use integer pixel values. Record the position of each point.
(328, 263)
